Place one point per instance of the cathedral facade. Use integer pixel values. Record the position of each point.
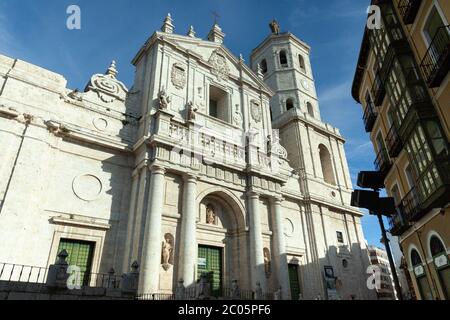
(205, 166)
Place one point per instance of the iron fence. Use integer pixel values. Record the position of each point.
(38, 275)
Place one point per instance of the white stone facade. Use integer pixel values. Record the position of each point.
(186, 157)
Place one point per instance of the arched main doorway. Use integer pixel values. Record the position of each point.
(221, 240)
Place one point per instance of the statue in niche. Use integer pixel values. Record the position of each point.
(167, 251)
(192, 111)
(267, 263)
(275, 27)
(210, 215)
(164, 100)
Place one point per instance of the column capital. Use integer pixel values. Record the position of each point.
(253, 194)
(156, 169)
(190, 178)
(277, 200)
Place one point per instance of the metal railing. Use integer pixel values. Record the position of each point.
(408, 9)
(398, 223)
(22, 273)
(382, 162)
(436, 62)
(411, 205)
(393, 142)
(38, 275)
(190, 294)
(378, 91)
(370, 116)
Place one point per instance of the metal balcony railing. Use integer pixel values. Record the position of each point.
(370, 116)
(398, 224)
(383, 163)
(394, 142)
(411, 205)
(408, 10)
(378, 91)
(436, 62)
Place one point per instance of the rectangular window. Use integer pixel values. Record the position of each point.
(218, 104)
(340, 237)
(80, 254)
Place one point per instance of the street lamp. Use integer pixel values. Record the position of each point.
(378, 207)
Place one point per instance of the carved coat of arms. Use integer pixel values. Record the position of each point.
(219, 65)
(255, 111)
(178, 76)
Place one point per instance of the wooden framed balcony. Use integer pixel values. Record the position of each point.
(408, 10)
(394, 142)
(436, 62)
(383, 163)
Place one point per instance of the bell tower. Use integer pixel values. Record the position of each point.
(283, 61)
(315, 149)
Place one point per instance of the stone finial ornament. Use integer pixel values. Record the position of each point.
(191, 33)
(168, 26)
(112, 71)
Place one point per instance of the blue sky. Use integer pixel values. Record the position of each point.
(36, 31)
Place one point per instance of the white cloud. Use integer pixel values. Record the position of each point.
(336, 93)
(7, 44)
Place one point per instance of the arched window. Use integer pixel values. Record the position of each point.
(441, 263)
(421, 276)
(310, 109)
(283, 58)
(289, 104)
(415, 258)
(263, 66)
(327, 167)
(436, 246)
(301, 61)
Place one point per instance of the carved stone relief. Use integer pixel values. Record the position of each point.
(219, 65)
(255, 111)
(178, 76)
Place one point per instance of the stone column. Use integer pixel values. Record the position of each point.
(131, 219)
(151, 252)
(279, 249)
(256, 242)
(188, 243)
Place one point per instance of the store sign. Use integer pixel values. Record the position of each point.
(419, 271)
(441, 261)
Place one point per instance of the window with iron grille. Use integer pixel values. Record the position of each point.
(80, 254)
